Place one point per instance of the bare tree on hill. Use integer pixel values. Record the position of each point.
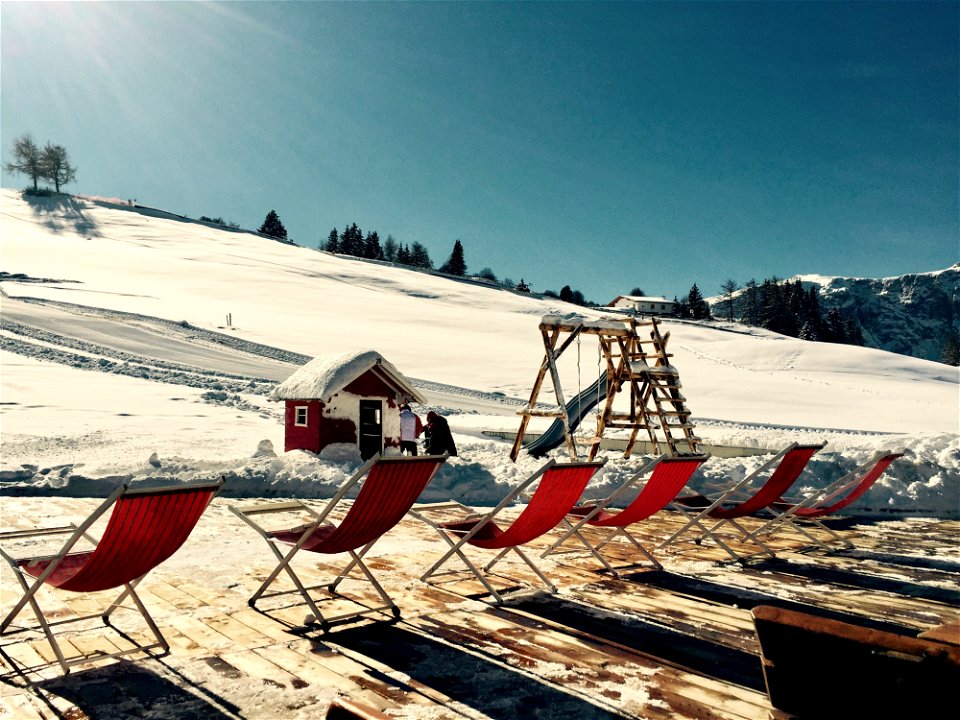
(56, 165)
(27, 159)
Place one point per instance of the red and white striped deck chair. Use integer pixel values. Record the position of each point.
(145, 528)
(388, 488)
(747, 498)
(667, 477)
(830, 500)
(559, 487)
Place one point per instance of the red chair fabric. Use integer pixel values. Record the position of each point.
(787, 472)
(668, 478)
(145, 528)
(560, 487)
(865, 484)
(391, 487)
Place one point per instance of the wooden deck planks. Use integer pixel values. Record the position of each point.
(542, 642)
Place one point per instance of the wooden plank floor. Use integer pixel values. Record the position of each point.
(676, 643)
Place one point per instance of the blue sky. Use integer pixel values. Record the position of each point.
(597, 145)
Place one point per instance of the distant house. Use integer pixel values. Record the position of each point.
(644, 305)
(352, 398)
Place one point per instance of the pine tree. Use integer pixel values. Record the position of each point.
(728, 288)
(770, 301)
(522, 286)
(273, 227)
(351, 241)
(403, 255)
(390, 249)
(333, 242)
(680, 308)
(808, 332)
(950, 353)
(371, 246)
(699, 308)
(637, 292)
(835, 330)
(852, 331)
(812, 314)
(751, 310)
(419, 257)
(456, 265)
(566, 294)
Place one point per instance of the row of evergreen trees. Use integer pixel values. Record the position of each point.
(353, 242)
(781, 306)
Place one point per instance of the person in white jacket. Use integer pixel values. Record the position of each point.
(410, 428)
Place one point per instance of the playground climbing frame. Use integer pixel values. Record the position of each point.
(637, 363)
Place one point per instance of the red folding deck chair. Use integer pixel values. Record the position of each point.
(389, 486)
(145, 528)
(744, 499)
(560, 486)
(668, 476)
(828, 501)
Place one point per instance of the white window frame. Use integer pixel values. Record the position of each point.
(296, 416)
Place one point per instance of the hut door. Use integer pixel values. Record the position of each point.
(371, 428)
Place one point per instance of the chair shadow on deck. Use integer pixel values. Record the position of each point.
(746, 599)
(865, 581)
(492, 688)
(918, 562)
(127, 689)
(652, 638)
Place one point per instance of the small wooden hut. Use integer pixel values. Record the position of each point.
(352, 398)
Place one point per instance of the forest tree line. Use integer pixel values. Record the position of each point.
(783, 306)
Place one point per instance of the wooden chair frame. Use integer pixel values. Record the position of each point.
(319, 523)
(827, 501)
(745, 498)
(657, 491)
(538, 507)
(71, 563)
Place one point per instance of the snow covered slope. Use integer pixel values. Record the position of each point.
(146, 299)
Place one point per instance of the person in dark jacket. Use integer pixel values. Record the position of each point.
(438, 437)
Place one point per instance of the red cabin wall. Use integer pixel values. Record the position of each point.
(324, 429)
(298, 437)
(370, 386)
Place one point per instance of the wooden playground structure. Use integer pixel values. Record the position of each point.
(637, 362)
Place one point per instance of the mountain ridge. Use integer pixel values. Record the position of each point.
(910, 314)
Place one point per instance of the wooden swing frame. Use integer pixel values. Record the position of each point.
(634, 364)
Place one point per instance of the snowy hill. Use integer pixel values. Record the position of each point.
(116, 346)
(909, 314)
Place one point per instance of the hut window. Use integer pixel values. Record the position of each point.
(300, 415)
